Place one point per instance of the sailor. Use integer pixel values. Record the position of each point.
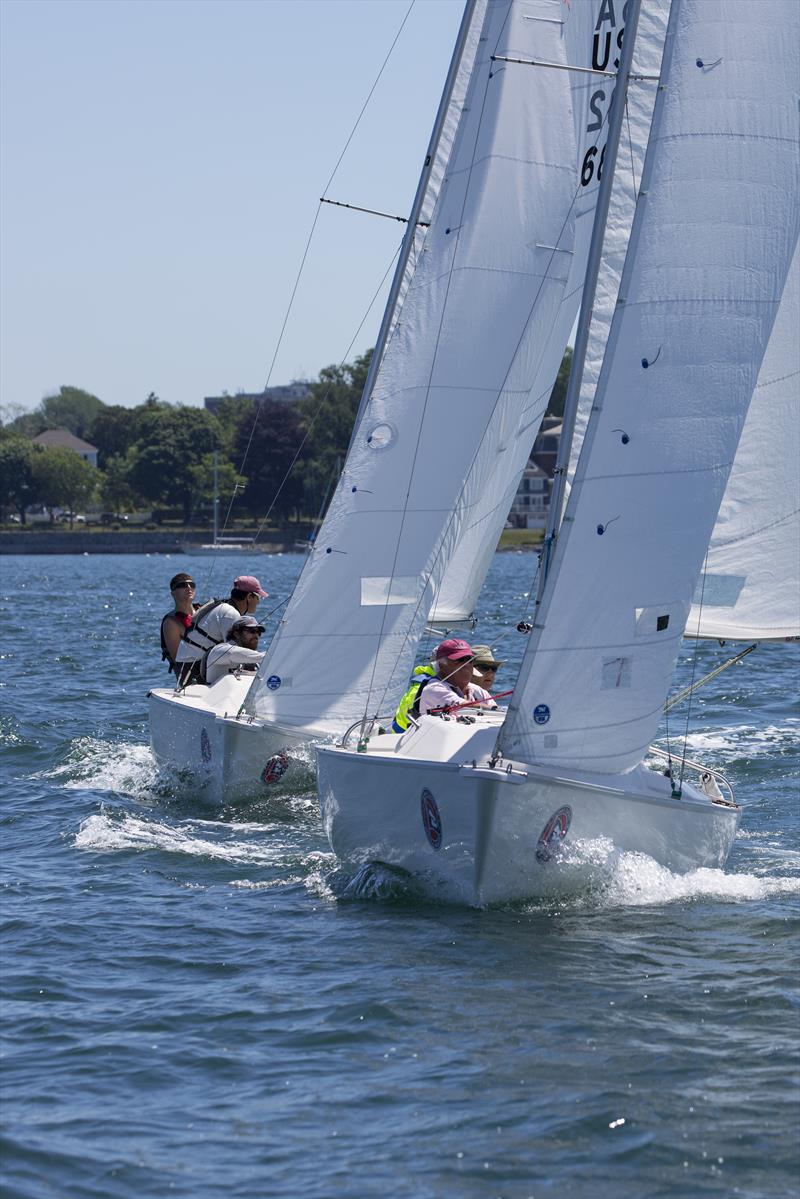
(485, 667)
(175, 623)
(238, 652)
(213, 621)
(453, 683)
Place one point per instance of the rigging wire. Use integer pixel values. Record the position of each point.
(240, 473)
(694, 671)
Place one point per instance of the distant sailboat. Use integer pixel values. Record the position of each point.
(219, 543)
(486, 807)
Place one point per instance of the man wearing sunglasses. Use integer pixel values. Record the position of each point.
(175, 623)
(238, 652)
(485, 667)
(214, 620)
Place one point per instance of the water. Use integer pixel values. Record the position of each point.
(201, 1003)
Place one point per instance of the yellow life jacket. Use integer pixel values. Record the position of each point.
(419, 677)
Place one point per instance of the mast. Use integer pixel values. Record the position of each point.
(416, 209)
(216, 496)
(615, 116)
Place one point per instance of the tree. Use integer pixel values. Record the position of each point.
(202, 480)
(559, 392)
(71, 409)
(62, 479)
(16, 477)
(273, 486)
(113, 430)
(116, 492)
(170, 442)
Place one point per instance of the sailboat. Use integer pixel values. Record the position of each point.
(497, 239)
(495, 808)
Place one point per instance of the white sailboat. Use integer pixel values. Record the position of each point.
(499, 232)
(485, 808)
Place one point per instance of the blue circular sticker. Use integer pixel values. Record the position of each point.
(431, 819)
(541, 713)
(274, 682)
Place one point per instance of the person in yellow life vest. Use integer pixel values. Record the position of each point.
(419, 674)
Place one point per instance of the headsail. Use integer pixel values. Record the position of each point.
(751, 585)
(715, 230)
(475, 325)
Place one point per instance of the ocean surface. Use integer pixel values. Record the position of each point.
(201, 1003)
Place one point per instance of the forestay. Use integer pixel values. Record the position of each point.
(750, 589)
(714, 233)
(473, 329)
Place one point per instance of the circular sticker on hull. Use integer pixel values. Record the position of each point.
(275, 768)
(205, 747)
(553, 834)
(431, 819)
(541, 713)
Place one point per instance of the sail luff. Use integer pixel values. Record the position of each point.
(424, 198)
(615, 116)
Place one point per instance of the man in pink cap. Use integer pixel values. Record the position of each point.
(453, 682)
(214, 620)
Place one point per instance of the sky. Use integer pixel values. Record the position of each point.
(161, 163)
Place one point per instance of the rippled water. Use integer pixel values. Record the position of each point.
(202, 1003)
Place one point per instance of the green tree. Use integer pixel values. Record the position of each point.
(16, 476)
(116, 492)
(202, 481)
(62, 479)
(71, 409)
(113, 430)
(274, 486)
(170, 442)
(559, 392)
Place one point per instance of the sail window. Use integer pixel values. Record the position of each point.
(659, 618)
(719, 591)
(387, 590)
(382, 436)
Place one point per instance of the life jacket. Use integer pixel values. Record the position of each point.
(196, 635)
(409, 704)
(165, 654)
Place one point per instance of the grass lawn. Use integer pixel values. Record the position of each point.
(520, 539)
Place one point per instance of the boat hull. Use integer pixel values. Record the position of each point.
(485, 836)
(224, 757)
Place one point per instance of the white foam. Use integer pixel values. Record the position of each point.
(738, 741)
(107, 766)
(108, 832)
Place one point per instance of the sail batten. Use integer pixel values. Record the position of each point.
(713, 234)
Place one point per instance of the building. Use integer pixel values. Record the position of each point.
(529, 510)
(283, 393)
(62, 439)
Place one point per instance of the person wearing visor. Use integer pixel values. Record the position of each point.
(239, 651)
(175, 623)
(485, 667)
(453, 683)
(213, 621)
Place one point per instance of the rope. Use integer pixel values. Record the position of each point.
(694, 671)
(240, 473)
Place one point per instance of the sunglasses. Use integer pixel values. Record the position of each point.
(485, 666)
(180, 586)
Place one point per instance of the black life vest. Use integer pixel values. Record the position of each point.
(165, 654)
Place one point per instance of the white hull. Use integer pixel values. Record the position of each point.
(198, 732)
(486, 835)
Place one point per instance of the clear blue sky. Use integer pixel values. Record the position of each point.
(161, 166)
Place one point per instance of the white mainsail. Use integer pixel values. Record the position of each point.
(347, 641)
(713, 236)
(750, 588)
(590, 30)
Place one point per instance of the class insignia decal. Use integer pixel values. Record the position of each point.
(541, 713)
(205, 747)
(553, 834)
(274, 682)
(275, 768)
(431, 819)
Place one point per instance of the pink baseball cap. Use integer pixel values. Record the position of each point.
(250, 583)
(453, 649)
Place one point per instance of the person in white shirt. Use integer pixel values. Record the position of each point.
(238, 652)
(453, 682)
